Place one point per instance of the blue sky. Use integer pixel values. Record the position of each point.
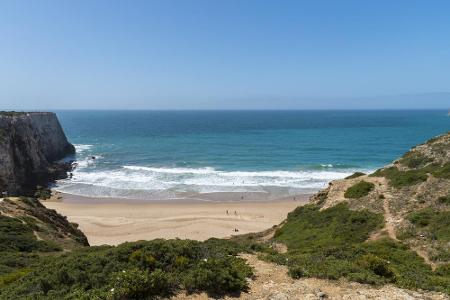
(224, 54)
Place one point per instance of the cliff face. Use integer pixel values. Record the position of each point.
(30, 145)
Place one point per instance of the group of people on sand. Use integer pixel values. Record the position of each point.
(235, 213)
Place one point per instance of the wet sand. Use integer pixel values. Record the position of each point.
(114, 221)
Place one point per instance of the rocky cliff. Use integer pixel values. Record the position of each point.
(30, 146)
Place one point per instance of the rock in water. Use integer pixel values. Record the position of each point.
(30, 146)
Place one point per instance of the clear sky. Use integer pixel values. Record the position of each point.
(224, 54)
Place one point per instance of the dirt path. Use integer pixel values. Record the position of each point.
(389, 220)
(422, 253)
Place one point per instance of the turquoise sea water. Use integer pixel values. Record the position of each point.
(179, 154)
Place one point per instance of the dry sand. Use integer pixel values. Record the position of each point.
(116, 221)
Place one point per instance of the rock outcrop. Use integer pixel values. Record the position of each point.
(30, 146)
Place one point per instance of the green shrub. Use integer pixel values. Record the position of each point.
(379, 266)
(360, 189)
(307, 228)
(400, 179)
(444, 199)
(422, 217)
(443, 171)
(144, 261)
(443, 270)
(153, 268)
(414, 159)
(435, 223)
(332, 244)
(13, 276)
(18, 236)
(11, 261)
(218, 276)
(43, 193)
(139, 284)
(355, 175)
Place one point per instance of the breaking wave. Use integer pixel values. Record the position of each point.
(166, 183)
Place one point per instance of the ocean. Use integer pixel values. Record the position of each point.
(265, 155)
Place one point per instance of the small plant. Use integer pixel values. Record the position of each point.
(360, 189)
(42, 193)
(378, 265)
(444, 199)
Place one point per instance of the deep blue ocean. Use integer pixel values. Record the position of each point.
(187, 154)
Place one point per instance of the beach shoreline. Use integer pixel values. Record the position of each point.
(113, 221)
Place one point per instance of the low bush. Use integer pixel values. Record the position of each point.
(379, 266)
(355, 175)
(308, 228)
(360, 189)
(42, 193)
(414, 159)
(137, 270)
(399, 178)
(435, 223)
(17, 235)
(332, 244)
(444, 199)
(218, 276)
(139, 284)
(443, 171)
(13, 276)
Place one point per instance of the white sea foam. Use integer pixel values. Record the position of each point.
(79, 148)
(165, 183)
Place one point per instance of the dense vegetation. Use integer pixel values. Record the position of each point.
(12, 113)
(436, 224)
(133, 271)
(19, 248)
(17, 235)
(414, 159)
(400, 179)
(333, 243)
(360, 189)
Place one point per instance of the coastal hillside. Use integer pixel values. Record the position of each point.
(45, 226)
(30, 146)
(412, 194)
(388, 227)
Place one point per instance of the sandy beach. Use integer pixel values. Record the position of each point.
(114, 221)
